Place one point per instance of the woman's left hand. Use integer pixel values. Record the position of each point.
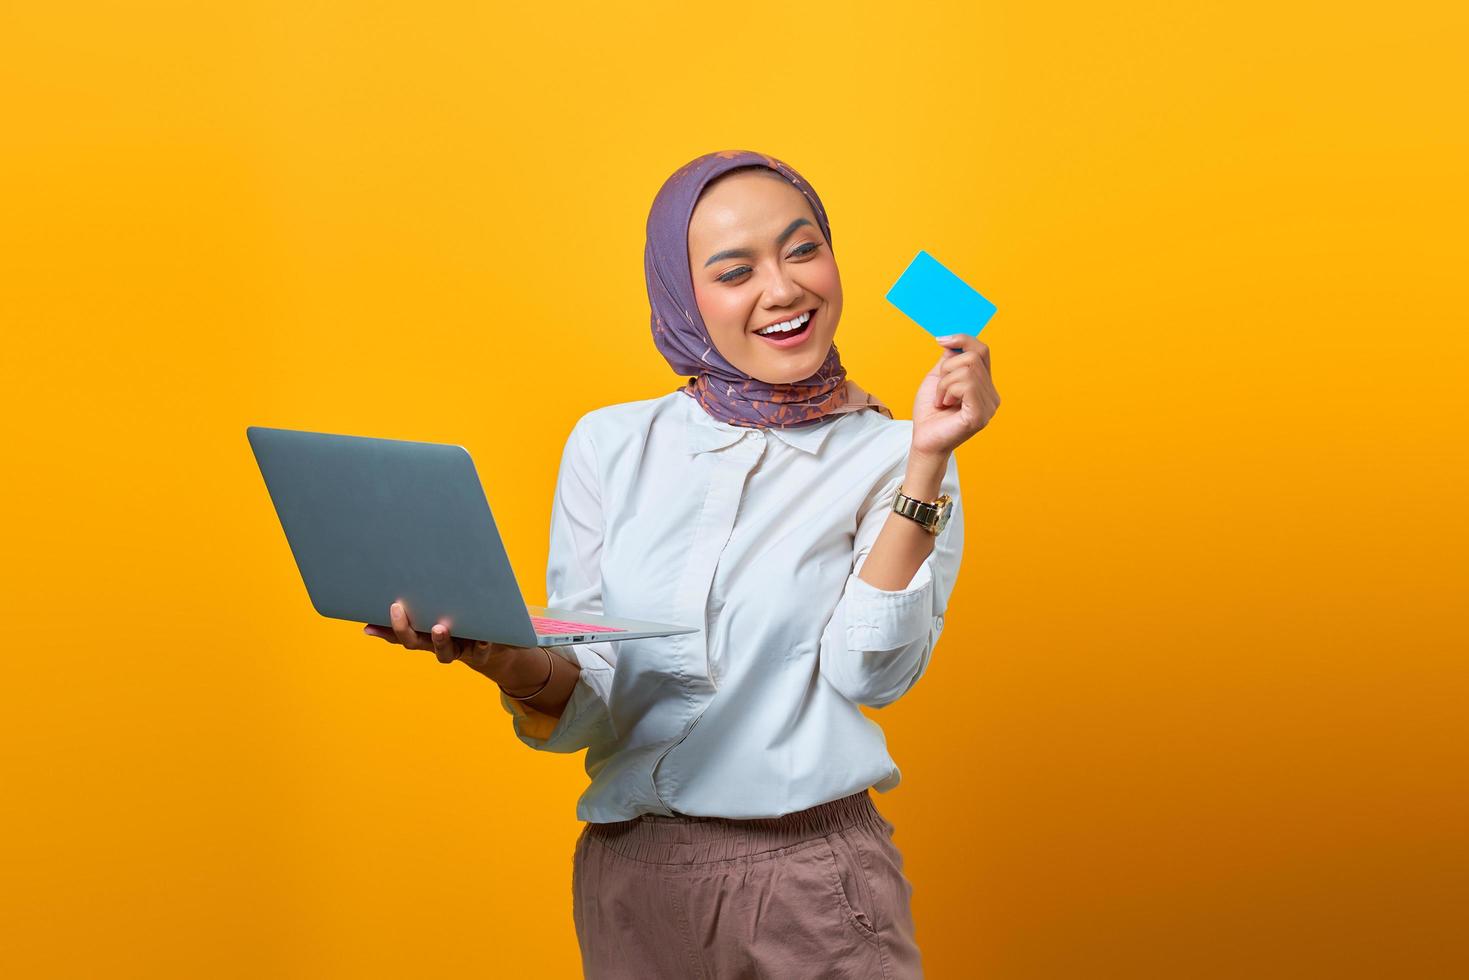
(956, 399)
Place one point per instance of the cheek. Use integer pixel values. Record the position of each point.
(717, 307)
(824, 281)
(724, 313)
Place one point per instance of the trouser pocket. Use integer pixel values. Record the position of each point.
(853, 887)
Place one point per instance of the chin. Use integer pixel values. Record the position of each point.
(772, 368)
(786, 374)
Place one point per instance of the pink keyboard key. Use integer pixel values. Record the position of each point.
(555, 627)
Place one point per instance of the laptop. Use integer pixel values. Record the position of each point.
(373, 521)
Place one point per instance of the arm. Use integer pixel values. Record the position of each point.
(902, 545)
(572, 709)
(883, 631)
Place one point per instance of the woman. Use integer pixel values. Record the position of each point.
(729, 829)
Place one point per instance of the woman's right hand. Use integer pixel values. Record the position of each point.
(482, 655)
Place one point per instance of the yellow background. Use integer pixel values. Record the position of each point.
(1199, 710)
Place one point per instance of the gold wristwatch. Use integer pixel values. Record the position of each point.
(929, 515)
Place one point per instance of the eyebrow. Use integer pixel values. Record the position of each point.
(742, 253)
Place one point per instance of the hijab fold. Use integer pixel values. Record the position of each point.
(723, 390)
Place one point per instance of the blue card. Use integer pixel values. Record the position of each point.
(939, 301)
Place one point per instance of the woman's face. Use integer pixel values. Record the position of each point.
(758, 257)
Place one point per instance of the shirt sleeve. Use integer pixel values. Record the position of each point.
(573, 583)
(877, 643)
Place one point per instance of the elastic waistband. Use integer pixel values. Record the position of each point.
(683, 840)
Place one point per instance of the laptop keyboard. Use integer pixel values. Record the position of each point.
(555, 627)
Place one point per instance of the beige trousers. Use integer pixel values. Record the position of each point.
(815, 894)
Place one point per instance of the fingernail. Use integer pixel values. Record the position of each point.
(952, 336)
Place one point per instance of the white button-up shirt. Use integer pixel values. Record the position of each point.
(755, 536)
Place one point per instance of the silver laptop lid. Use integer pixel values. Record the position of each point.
(371, 521)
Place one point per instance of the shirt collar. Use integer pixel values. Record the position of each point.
(706, 433)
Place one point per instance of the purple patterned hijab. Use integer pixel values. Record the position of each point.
(723, 390)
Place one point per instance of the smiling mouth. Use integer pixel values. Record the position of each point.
(784, 338)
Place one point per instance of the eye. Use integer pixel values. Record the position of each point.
(796, 253)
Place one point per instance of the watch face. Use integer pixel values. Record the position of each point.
(943, 516)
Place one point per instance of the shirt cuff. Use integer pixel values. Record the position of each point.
(583, 710)
(878, 619)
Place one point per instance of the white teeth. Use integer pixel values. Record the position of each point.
(786, 327)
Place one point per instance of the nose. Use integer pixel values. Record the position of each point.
(783, 290)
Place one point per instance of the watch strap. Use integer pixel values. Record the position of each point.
(923, 512)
